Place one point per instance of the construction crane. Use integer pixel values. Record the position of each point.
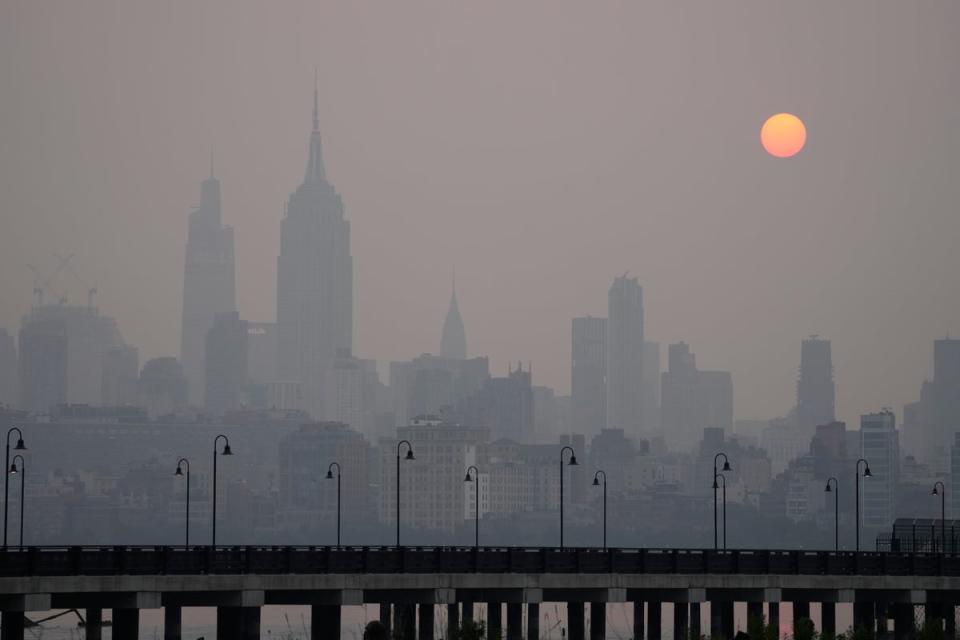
(40, 284)
(91, 290)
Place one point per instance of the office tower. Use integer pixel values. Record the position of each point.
(344, 391)
(880, 446)
(261, 362)
(65, 353)
(588, 374)
(8, 369)
(816, 395)
(650, 388)
(939, 411)
(954, 497)
(162, 387)
(453, 342)
(226, 363)
(504, 405)
(428, 384)
(693, 400)
(121, 368)
(209, 284)
(314, 280)
(625, 348)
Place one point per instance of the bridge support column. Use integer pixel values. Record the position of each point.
(598, 621)
(233, 623)
(406, 621)
(494, 619)
(533, 621)
(94, 624)
(695, 620)
(172, 617)
(681, 621)
(386, 617)
(126, 623)
(453, 620)
(575, 622)
(324, 621)
(828, 620)
(654, 620)
(11, 625)
(425, 616)
(514, 621)
(639, 626)
(863, 616)
(773, 616)
(902, 621)
(801, 611)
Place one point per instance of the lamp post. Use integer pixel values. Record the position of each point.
(226, 452)
(723, 484)
(573, 462)
(476, 506)
(330, 477)
(943, 510)
(836, 510)
(409, 457)
(726, 467)
(596, 483)
(866, 474)
(6, 477)
(179, 472)
(23, 484)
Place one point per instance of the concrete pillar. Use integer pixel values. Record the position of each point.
(324, 621)
(716, 621)
(575, 623)
(828, 620)
(11, 625)
(773, 616)
(695, 620)
(94, 624)
(726, 616)
(385, 618)
(902, 621)
(406, 621)
(425, 616)
(126, 623)
(863, 616)
(639, 627)
(453, 620)
(681, 623)
(233, 623)
(172, 616)
(533, 621)
(654, 621)
(598, 621)
(494, 619)
(514, 621)
(801, 611)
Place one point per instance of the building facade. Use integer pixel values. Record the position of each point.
(625, 347)
(880, 447)
(816, 393)
(588, 374)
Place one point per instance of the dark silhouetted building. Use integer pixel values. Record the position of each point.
(816, 395)
(162, 387)
(226, 363)
(8, 370)
(504, 405)
(588, 374)
(692, 400)
(625, 349)
(453, 342)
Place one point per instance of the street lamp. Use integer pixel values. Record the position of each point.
(179, 472)
(226, 452)
(723, 483)
(6, 477)
(596, 483)
(330, 477)
(23, 484)
(866, 474)
(573, 462)
(943, 499)
(726, 467)
(409, 457)
(476, 506)
(836, 510)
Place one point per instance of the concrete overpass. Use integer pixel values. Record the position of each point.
(409, 582)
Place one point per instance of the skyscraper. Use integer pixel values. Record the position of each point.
(625, 357)
(8, 369)
(880, 446)
(693, 400)
(588, 374)
(226, 378)
(816, 395)
(314, 280)
(209, 284)
(453, 342)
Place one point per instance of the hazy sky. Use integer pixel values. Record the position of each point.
(539, 147)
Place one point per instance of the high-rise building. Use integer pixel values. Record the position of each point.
(816, 395)
(938, 415)
(8, 369)
(588, 374)
(693, 400)
(162, 387)
(428, 385)
(650, 388)
(955, 477)
(625, 347)
(453, 342)
(344, 391)
(504, 405)
(209, 285)
(314, 280)
(880, 447)
(226, 363)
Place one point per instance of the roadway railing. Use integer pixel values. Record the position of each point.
(140, 560)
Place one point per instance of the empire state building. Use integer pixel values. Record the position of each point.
(314, 281)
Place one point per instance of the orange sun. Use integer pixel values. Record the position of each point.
(783, 135)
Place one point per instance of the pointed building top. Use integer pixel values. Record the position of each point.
(316, 111)
(315, 170)
(212, 176)
(453, 342)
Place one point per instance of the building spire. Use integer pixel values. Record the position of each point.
(212, 176)
(315, 170)
(316, 114)
(453, 341)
